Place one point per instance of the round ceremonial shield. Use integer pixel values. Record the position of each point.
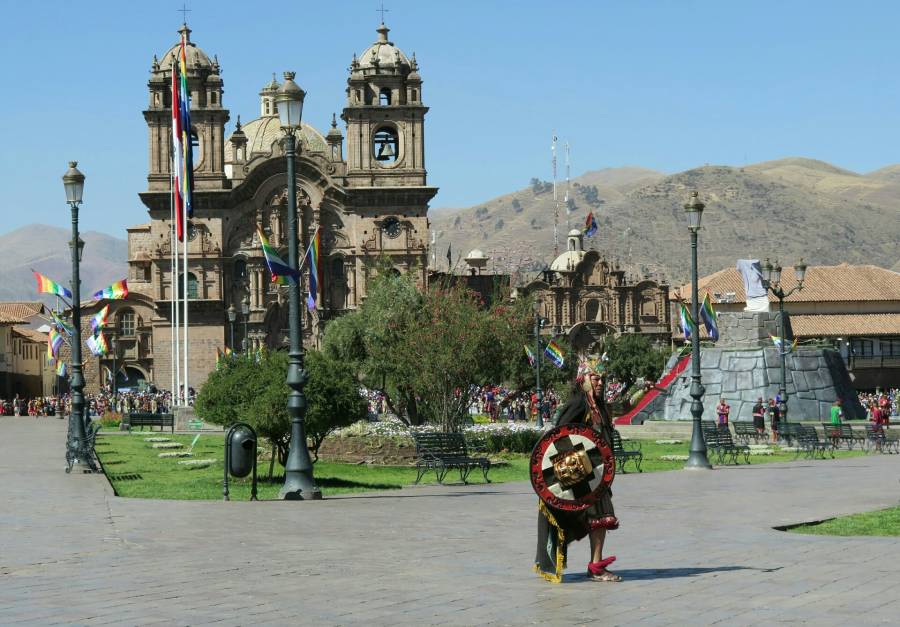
(570, 467)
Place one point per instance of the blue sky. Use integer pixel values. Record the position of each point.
(662, 84)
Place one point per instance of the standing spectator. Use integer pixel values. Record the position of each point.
(723, 409)
(836, 415)
(759, 416)
(774, 418)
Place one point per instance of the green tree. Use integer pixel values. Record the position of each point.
(256, 393)
(633, 356)
(427, 352)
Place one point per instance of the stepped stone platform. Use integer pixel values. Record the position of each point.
(744, 366)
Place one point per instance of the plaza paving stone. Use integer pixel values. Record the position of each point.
(694, 548)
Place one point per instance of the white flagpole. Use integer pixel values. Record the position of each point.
(186, 279)
(173, 290)
(175, 357)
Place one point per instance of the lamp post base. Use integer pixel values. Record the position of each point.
(697, 462)
(295, 493)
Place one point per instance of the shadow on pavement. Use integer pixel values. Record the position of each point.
(649, 574)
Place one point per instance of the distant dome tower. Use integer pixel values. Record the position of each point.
(267, 95)
(385, 117)
(567, 261)
(208, 117)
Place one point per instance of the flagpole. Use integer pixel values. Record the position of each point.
(186, 281)
(174, 175)
(173, 291)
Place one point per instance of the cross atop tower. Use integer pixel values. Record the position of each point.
(382, 10)
(184, 11)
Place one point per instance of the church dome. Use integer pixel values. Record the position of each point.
(263, 132)
(567, 261)
(196, 58)
(383, 54)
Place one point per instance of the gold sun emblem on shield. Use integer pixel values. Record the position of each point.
(571, 467)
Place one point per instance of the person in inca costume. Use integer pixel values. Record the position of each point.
(557, 527)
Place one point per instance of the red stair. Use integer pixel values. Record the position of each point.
(663, 385)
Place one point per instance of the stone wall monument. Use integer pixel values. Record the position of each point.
(744, 365)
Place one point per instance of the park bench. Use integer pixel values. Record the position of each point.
(623, 455)
(843, 434)
(443, 452)
(808, 442)
(878, 436)
(745, 431)
(719, 441)
(789, 432)
(140, 419)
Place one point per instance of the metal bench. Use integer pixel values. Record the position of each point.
(843, 434)
(140, 419)
(719, 441)
(878, 437)
(745, 431)
(808, 442)
(789, 431)
(623, 455)
(443, 452)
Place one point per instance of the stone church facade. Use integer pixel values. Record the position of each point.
(585, 297)
(369, 196)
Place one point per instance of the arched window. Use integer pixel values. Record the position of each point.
(240, 269)
(192, 285)
(196, 148)
(126, 323)
(385, 145)
(590, 310)
(415, 95)
(384, 97)
(337, 268)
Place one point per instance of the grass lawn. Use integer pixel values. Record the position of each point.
(883, 522)
(164, 478)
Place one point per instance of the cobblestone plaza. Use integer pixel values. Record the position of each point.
(694, 548)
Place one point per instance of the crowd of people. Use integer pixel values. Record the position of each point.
(150, 401)
(880, 406)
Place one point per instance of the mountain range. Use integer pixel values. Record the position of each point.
(45, 249)
(783, 210)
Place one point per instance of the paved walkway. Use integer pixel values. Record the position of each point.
(695, 548)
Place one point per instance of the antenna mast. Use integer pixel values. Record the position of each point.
(555, 202)
(568, 170)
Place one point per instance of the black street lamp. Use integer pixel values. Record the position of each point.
(114, 345)
(697, 459)
(77, 451)
(537, 363)
(245, 312)
(232, 316)
(771, 276)
(298, 471)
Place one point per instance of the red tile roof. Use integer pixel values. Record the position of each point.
(21, 310)
(822, 284)
(838, 325)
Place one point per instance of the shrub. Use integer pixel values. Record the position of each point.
(111, 420)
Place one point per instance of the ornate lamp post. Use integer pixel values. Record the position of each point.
(537, 363)
(245, 313)
(77, 452)
(771, 276)
(232, 316)
(298, 471)
(697, 459)
(114, 345)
